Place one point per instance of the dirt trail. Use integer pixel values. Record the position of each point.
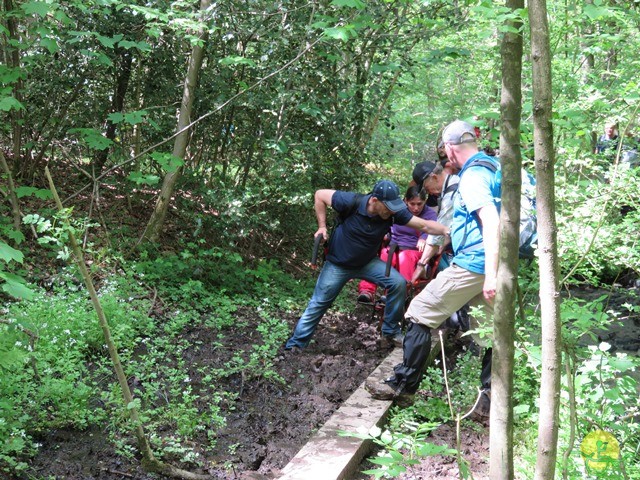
(270, 422)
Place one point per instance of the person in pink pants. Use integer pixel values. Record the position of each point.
(410, 243)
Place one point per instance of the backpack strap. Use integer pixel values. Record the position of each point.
(353, 208)
(493, 168)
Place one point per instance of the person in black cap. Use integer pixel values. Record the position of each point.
(440, 180)
(353, 253)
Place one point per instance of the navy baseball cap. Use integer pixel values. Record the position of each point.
(388, 193)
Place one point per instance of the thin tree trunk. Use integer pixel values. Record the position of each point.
(11, 193)
(156, 222)
(149, 462)
(547, 248)
(588, 61)
(36, 164)
(123, 75)
(13, 59)
(501, 433)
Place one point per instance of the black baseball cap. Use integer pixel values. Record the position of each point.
(421, 171)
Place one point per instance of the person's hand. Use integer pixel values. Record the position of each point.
(419, 273)
(489, 288)
(322, 231)
(447, 241)
(422, 242)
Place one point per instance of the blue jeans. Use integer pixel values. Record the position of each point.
(330, 282)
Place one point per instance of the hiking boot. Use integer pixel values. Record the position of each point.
(383, 390)
(292, 351)
(366, 298)
(394, 340)
(483, 408)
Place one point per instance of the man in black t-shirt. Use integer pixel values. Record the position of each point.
(353, 253)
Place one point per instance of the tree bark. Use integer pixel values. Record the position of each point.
(501, 433)
(588, 61)
(156, 222)
(11, 193)
(123, 75)
(13, 60)
(547, 248)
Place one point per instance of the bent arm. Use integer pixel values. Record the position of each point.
(490, 221)
(429, 252)
(322, 200)
(428, 226)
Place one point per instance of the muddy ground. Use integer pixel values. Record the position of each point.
(272, 421)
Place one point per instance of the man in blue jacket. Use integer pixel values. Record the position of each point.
(353, 253)
(472, 277)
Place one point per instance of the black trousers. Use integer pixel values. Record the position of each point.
(416, 348)
(485, 373)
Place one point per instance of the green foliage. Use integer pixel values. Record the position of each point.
(406, 439)
(12, 284)
(606, 394)
(605, 387)
(47, 380)
(401, 450)
(203, 278)
(53, 233)
(62, 376)
(596, 239)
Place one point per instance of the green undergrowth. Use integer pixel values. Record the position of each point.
(603, 397)
(56, 372)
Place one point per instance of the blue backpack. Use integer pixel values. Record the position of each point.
(528, 218)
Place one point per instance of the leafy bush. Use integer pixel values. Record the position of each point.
(597, 239)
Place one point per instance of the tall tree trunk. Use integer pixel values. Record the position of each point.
(156, 222)
(123, 75)
(501, 434)
(11, 193)
(13, 60)
(588, 61)
(547, 233)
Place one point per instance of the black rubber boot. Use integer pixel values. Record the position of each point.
(416, 349)
(485, 374)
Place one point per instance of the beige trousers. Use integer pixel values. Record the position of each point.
(449, 292)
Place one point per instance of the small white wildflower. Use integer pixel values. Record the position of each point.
(604, 346)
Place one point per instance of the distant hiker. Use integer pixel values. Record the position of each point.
(442, 154)
(440, 180)
(470, 279)
(410, 241)
(353, 253)
(608, 141)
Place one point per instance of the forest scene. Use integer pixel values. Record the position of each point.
(158, 166)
